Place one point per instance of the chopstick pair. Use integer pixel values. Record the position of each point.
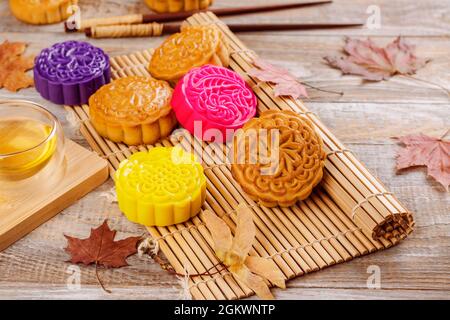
(69, 26)
(156, 29)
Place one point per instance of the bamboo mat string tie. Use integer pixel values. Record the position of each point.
(279, 253)
(246, 51)
(185, 293)
(213, 278)
(305, 113)
(343, 151)
(148, 246)
(366, 200)
(296, 248)
(194, 227)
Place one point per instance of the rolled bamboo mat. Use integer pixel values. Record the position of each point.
(349, 215)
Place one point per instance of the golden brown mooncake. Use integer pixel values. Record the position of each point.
(278, 176)
(42, 11)
(162, 6)
(193, 47)
(133, 110)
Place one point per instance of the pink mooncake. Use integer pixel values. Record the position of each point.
(212, 102)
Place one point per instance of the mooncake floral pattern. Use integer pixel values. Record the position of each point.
(132, 100)
(71, 62)
(161, 187)
(193, 47)
(300, 160)
(155, 176)
(220, 95)
(70, 72)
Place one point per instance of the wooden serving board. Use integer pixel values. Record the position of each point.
(85, 171)
(334, 225)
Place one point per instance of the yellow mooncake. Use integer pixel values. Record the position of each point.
(133, 110)
(162, 6)
(161, 187)
(194, 46)
(42, 11)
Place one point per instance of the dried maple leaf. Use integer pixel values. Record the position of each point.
(13, 66)
(233, 252)
(101, 249)
(374, 63)
(285, 83)
(422, 150)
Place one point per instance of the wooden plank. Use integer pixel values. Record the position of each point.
(364, 120)
(77, 181)
(422, 18)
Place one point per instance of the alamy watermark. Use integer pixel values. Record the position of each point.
(73, 281)
(374, 279)
(373, 22)
(249, 147)
(74, 20)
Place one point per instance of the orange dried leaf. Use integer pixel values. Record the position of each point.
(220, 233)
(422, 150)
(13, 66)
(267, 269)
(254, 282)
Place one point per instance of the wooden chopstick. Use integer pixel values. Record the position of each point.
(177, 16)
(156, 29)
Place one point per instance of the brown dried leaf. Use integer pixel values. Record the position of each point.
(234, 252)
(374, 63)
(101, 249)
(422, 150)
(221, 234)
(267, 269)
(244, 236)
(13, 66)
(254, 282)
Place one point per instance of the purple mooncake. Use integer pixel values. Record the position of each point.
(70, 72)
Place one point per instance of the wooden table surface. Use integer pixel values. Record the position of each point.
(365, 119)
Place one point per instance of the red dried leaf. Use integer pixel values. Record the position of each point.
(101, 249)
(285, 83)
(13, 66)
(422, 150)
(366, 59)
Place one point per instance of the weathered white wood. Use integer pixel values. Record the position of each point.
(365, 119)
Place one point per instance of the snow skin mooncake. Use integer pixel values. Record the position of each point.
(70, 72)
(161, 187)
(213, 102)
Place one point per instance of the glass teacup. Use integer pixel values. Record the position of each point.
(32, 150)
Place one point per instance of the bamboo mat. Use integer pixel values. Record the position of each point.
(349, 215)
